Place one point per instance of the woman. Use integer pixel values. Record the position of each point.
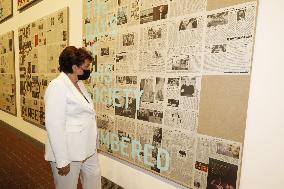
(71, 124)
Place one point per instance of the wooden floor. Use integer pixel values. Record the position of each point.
(22, 164)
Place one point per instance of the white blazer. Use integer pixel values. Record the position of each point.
(70, 122)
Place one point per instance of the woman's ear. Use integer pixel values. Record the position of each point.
(75, 68)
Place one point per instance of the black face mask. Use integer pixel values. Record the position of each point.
(85, 75)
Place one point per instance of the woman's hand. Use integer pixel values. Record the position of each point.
(64, 170)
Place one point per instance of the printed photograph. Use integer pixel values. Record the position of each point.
(229, 150)
(173, 103)
(154, 33)
(128, 39)
(147, 85)
(122, 15)
(188, 24)
(146, 16)
(187, 86)
(143, 114)
(124, 110)
(180, 62)
(159, 94)
(221, 175)
(173, 82)
(218, 19)
(155, 116)
(219, 48)
(241, 15)
(160, 12)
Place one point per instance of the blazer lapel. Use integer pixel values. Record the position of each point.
(86, 94)
(75, 91)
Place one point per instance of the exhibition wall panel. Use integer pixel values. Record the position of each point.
(6, 9)
(7, 73)
(23, 3)
(40, 44)
(170, 83)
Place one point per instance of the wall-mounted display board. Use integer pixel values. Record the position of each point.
(6, 9)
(23, 3)
(7, 73)
(40, 44)
(170, 83)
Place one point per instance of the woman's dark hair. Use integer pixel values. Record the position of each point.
(85, 54)
(69, 56)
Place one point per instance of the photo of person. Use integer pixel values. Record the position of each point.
(241, 15)
(221, 175)
(187, 86)
(159, 94)
(122, 15)
(147, 85)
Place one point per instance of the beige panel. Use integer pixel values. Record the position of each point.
(223, 106)
(216, 4)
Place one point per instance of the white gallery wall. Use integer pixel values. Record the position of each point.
(262, 166)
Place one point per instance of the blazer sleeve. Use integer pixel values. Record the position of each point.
(55, 120)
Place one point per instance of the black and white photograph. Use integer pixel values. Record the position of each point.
(154, 33)
(187, 86)
(147, 85)
(217, 19)
(173, 82)
(219, 48)
(173, 103)
(241, 15)
(128, 39)
(159, 89)
(146, 16)
(188, 24)
(160, 12)
(157, 140)
(230, 150)
(123, 110)
(143, 114)
(155, 116)
(180, 62)
(122, 15)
